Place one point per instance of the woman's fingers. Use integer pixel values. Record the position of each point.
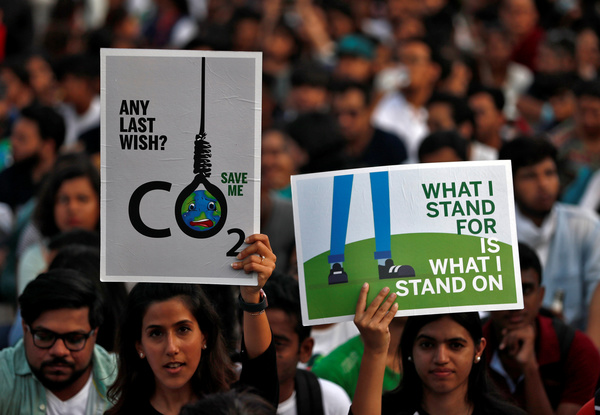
(257, 257)
(256, 242)
(378, 310)
(361, 304)
(378, 306)
(388, 304)
(373, 321)
(389, 316)
(258, 264)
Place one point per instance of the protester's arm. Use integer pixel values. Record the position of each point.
(373, 324)
(259, 258)
(313, 23)
(260, 374)
(271, 13)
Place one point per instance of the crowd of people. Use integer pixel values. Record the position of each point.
(345, 84)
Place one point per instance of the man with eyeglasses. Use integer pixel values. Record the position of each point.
(57, 368)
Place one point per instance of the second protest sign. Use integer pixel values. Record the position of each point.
(441, 236)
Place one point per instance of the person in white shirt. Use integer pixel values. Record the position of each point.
(565, 237)
(79, 80)
(402, 111)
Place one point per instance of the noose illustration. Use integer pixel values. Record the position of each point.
(201, 207)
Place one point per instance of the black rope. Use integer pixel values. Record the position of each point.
(202, 132)
(202, 151)
(202, 154)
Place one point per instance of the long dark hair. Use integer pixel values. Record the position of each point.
(410, 391)
(135, 380)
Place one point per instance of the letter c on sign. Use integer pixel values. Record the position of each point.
(134, 209)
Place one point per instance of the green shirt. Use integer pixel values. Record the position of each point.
(21, 393)
(342, 365)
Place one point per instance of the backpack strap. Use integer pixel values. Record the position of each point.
(565, 334)
(554, 374)
(309, 400)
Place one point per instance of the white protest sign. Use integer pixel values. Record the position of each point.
(442, 236)
(180, 162)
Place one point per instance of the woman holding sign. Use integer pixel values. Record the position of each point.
(441, 359)
(171, 350)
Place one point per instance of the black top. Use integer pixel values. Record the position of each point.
(258, 375)
(391, 404)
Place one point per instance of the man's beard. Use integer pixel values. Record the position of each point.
(55, 386)
(533, 213)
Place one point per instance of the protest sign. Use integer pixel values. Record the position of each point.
(442, 236)
(180, 162)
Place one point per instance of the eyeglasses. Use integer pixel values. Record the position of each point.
(45, 339)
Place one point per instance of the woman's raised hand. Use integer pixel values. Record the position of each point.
(373, 321)
(257, 257)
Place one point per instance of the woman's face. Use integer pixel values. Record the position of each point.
(172, 342)
(443, 354)
(76, 205)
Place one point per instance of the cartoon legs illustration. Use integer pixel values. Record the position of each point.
(342, 191)
(380, 197)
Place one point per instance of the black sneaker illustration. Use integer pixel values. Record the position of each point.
(389, 270)
(337, 274)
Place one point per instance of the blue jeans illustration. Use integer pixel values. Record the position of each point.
(380, 197)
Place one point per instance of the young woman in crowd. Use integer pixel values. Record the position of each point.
(443, 366)
(69, 199)
(172, 352)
